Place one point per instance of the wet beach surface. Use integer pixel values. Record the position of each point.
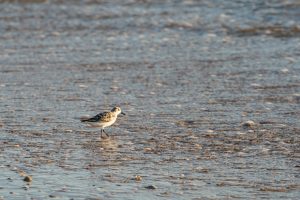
(211, 91)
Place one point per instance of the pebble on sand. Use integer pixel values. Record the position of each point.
(151, 187)
(138, 178)
(249, 124)
(27, 178)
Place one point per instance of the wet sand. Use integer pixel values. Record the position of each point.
(211, 91)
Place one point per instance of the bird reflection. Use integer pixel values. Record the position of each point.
(103, 146)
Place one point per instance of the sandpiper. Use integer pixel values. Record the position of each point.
(104, 119)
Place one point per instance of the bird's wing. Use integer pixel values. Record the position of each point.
(104, 117)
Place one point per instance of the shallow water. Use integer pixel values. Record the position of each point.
(187, 73)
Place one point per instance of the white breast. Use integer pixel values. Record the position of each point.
(106, 124)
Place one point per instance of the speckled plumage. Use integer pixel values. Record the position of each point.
(104, 119)
(101, 117)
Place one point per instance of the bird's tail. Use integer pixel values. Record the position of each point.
(84, 119)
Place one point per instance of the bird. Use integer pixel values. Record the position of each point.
(103, 119)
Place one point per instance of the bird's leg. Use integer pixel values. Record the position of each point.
(105, 133)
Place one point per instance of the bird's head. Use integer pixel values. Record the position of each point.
(117, 110)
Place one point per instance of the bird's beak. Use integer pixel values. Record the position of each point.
(123, 113)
